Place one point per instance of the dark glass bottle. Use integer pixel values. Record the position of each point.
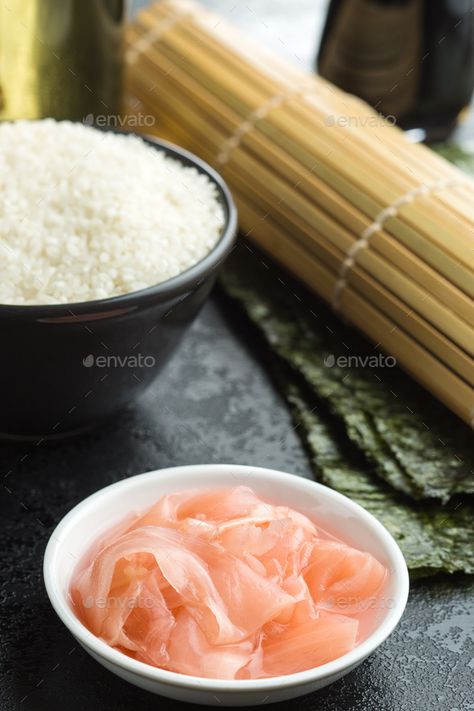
(60, 58)
(410, 59)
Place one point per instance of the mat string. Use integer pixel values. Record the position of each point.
(153, 35)
(234, 141)
(391, 211)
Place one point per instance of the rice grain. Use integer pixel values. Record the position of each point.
(86, 214)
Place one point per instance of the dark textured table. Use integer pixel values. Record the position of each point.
(213, 403)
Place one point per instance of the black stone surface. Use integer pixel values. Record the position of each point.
(213, 403)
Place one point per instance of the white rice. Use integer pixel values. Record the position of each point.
(88, 215)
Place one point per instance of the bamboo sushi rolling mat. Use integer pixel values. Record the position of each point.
(381, 229)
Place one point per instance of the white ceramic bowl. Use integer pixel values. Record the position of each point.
(93, 516)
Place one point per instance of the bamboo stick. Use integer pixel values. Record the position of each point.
(309, 195)
(419, 363)
(375, 294)
(468, 337)
(402, 258)
(303, 146)
(252, 170)
(150, 18)
(202, 40)
(244, 68)
(432, 339)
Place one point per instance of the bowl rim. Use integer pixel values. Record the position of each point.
(175, 679)
(175, 286)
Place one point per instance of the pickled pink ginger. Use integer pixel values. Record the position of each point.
(224, 585)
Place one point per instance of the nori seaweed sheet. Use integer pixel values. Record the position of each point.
(433, 538)
(461, 154)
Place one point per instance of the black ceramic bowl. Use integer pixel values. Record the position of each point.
(66, 367)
